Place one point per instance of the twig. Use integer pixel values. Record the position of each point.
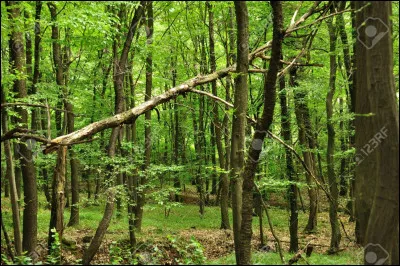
(270, 225)
(318, 20)
(288, 63)
(5, 105)
(48, 121)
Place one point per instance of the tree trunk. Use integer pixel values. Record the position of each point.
(58, 198)
(45, 186)
(344, 181)
(343, 163)
(225, 182)
(11, 180)
(260, 131)
(218, 126)
(101, 229)
(118, 80)
(333, 185)
(239, 121)
(26, 160)
(377, 136)
(74, 218)
(36, 71)
(352, 73)
(131, 177)
(292, 190)
(147, 133)
(302, 117)
(6, 237)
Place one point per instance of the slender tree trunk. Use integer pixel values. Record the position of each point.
(132, 178)
(101, 229)
(6, 237)
(218, 126)
(352, 73)
(292, 190)
(176, 131)
(26, 160)
(36, 71)
(74, 218)
(45, 186)
(120, 67)
(343, 164)
(147, 133)
(118, 80)
(377, 136)
(239, 121)
(58, 198)
(345, 178)
(262, 126)
(333, 186)
(11, 180)
(225, 183)
(302, 117)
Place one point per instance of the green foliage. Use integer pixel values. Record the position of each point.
(191, 254)
(54, 256)
(163, 197)
(18, 260)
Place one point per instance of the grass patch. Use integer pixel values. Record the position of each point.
(272, 258)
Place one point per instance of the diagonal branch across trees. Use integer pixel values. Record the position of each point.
(131, 115)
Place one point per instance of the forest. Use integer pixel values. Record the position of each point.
(200, 132)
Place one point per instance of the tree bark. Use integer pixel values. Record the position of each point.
(303, 119)
(239, 121)
(147, 128)
(218, 126)
(36, 71)
(74, 218)
(333, 185)
(101, 229)
(11, 181)
(377, 136)
(28, 171)
(58, 198)
(292, 190)
(262, 127)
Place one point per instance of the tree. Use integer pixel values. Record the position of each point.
(147, 135)
(292, 190)
(17, 59)
(11, 180)
(333, 186)
(262, 126)
(377, 133)
(239, 120)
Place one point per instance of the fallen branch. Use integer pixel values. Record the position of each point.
(131, 115)
(9, 134)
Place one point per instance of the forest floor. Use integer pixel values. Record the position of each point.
(174, 239)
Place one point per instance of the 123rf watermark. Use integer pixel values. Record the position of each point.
(373, 254)
(372, 144)
(371, 31)
(30, 145)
